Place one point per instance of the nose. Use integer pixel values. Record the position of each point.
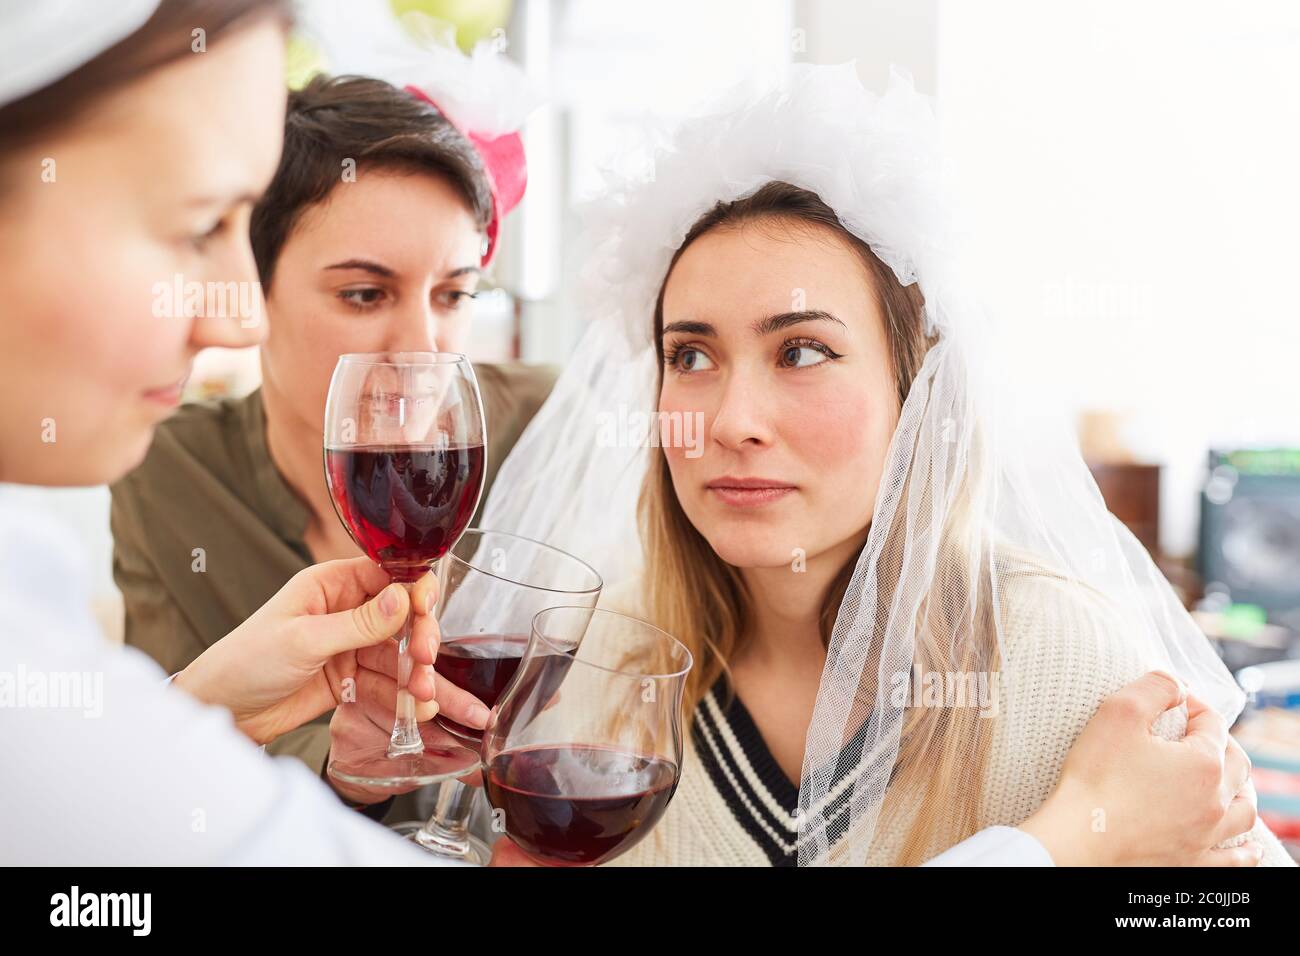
(742, 419)
(233, 312)
(413, 326)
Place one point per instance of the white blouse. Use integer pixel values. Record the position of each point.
(106, 764)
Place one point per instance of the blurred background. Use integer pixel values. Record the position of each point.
(1130, 169)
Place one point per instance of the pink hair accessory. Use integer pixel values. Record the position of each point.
(505, 163)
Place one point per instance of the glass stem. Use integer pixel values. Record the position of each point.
(447, 829)
(406, 732)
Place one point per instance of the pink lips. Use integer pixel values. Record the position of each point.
(169, 395)
(748, 492)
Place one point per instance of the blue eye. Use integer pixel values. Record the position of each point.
(798, 353)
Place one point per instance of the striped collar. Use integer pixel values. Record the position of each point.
(742, 769)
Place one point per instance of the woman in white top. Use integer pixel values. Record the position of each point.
(136, 137)
(136, 167)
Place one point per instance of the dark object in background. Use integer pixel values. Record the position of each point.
(1132, 494)
(1250, 530)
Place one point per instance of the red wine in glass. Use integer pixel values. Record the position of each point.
(490, 587)
(405, 506)
(483, 665)
(577, 804)
(404, 463)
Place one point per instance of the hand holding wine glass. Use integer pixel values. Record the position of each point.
(305, 642)
(404, 463)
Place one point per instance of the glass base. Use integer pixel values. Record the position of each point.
(470, 849)
(374, 768)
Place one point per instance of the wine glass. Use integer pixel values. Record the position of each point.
(490, 587)
(404, 462)
(583, 751)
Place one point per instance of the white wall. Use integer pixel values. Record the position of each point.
(875, 33)
(1132, 169)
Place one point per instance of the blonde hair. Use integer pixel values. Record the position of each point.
(703, 601)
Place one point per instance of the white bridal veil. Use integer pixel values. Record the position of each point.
(967, 504)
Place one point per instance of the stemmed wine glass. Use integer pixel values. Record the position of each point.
(404, 462)
(583, 751)
(490, 586)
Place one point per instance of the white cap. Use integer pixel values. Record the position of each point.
(40, 43)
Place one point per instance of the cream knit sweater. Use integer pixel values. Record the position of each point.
(1059, 664)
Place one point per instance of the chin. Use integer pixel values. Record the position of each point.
(122, 455)
(752, 548)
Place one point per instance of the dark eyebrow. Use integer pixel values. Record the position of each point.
(773, 323)
(690, 328)
(783, 320)
(365, 265)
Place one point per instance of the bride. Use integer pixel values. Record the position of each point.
(902, 612)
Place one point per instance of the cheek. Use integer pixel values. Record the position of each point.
(681, 428)
(91, 328)
(124, 315)
(453, 331)
(842, 442)
(302, 347)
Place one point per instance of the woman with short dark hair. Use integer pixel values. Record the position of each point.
(369, 238)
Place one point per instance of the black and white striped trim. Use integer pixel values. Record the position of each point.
(747, 777)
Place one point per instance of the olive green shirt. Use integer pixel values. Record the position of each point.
(206, 530)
